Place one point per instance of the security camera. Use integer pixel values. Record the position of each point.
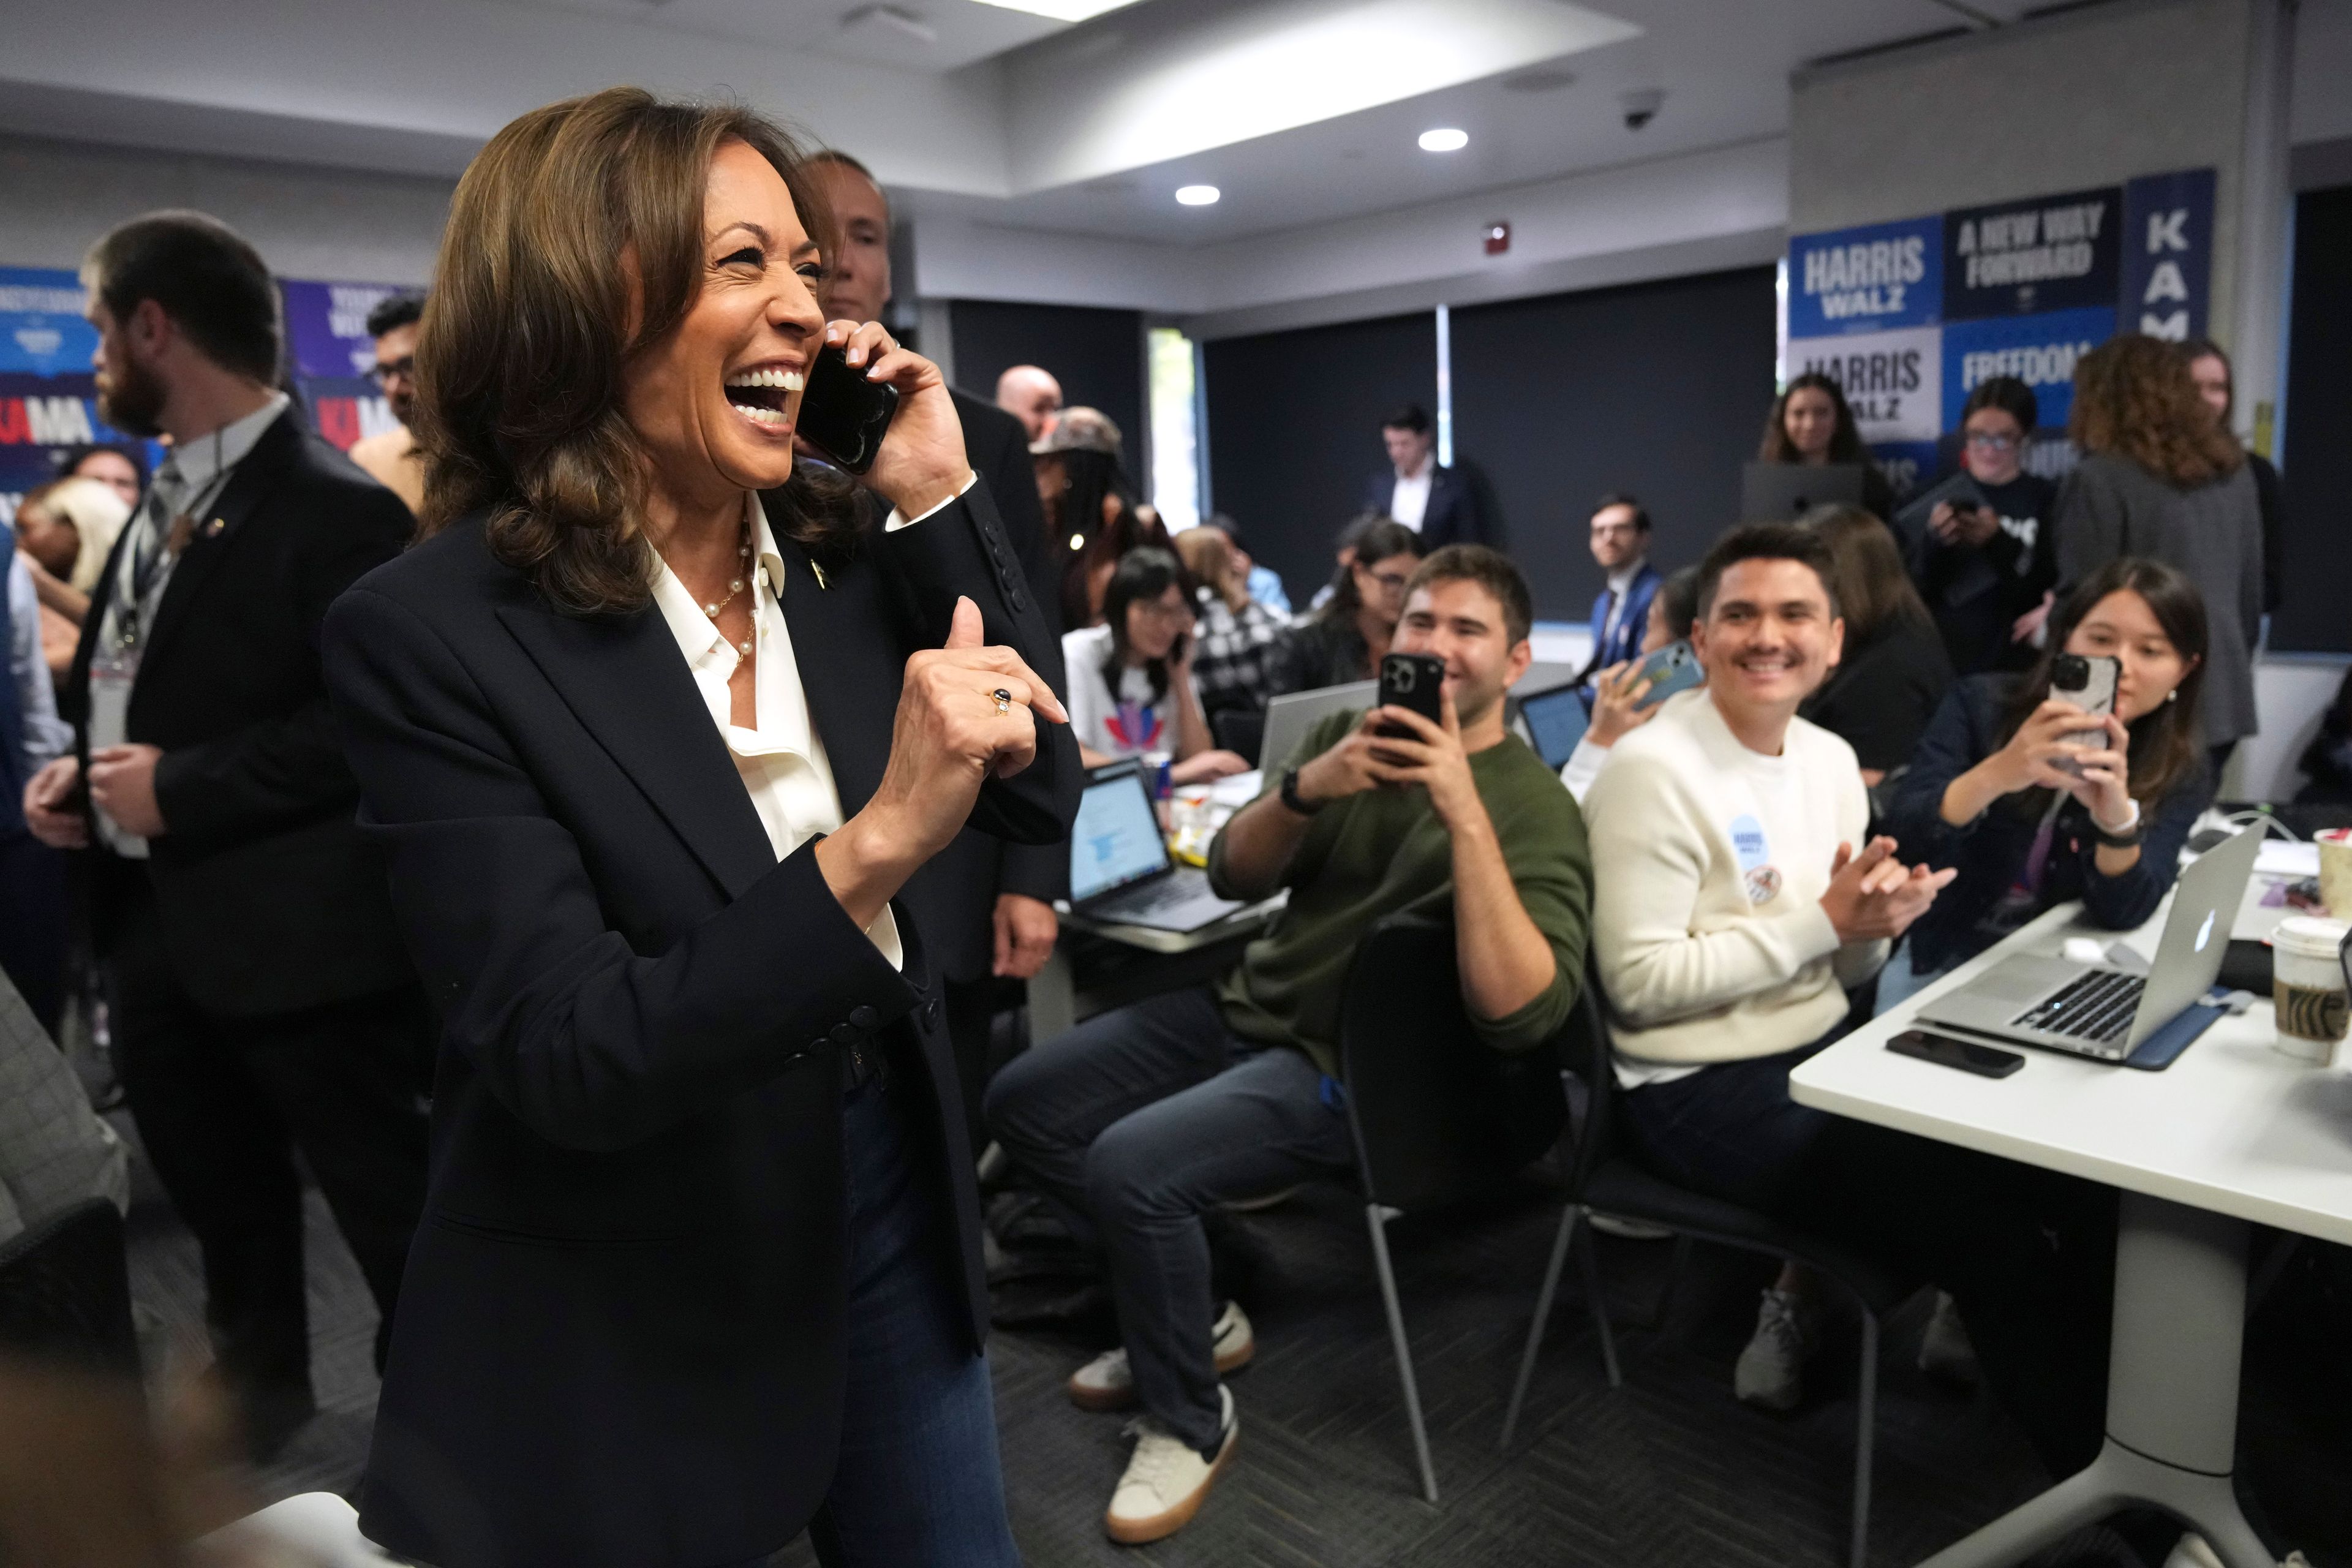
(1640, 105)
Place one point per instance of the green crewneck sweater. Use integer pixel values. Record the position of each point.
(1371, 854)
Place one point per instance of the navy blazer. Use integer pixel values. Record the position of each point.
(1631, 626)
(1457, 511)
(620, 1336)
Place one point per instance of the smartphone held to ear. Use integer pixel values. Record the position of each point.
(843, 414)
(1415, 682)
(1674, 668)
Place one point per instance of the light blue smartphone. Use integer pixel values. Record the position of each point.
(1674, 668)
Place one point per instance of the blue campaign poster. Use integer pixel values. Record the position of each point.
(49, 397)
(2168, 245)
(327, 337)
(1868, 279)
(2029, 256)
(2040, 351)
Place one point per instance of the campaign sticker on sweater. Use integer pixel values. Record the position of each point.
(1754, 852)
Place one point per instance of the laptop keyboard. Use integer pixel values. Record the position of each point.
(2097, 1006)
(1158, 898)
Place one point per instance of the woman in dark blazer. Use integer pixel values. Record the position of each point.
(654, 725)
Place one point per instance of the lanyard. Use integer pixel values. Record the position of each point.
(159, 542)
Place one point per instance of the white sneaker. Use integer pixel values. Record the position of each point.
(1944, 1350)
(1166, 1480)
(1627, 1230)
(1106, 1383)
(1771, 1370)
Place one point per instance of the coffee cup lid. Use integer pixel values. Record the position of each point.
(2309, 936)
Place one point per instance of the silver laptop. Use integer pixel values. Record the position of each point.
(1119, 866)
(2095, 1010)
(1287, 719)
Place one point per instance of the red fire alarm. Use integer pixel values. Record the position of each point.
(1498, 238)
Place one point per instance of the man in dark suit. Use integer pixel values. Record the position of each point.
(262, 999)
(1444, 505)
(1621, 547)
(986, 905)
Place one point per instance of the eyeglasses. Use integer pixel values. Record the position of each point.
(1389, 582)
(1993, 443)
(1163, 612)
(405, 368)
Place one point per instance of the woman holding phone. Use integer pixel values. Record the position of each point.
(654, 727)
(1131, 687)
(2037, 804)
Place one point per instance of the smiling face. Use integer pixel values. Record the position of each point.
(2122, 627)
(1811, 420)
(1459, 620)
(1380, 587)
(714, 402)
(1767, 639)
(1154, 624)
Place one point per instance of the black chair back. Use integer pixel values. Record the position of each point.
(1238, 728)
(1585, 1052)
(65, 1290)
(1439, 1115)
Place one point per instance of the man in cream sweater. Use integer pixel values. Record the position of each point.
(1736, 899)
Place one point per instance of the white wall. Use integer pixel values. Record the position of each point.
(56, 197)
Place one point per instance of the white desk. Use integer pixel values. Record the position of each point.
(2234, 1133)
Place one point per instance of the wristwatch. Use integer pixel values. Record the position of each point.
(2126, 838)
(1290, 794)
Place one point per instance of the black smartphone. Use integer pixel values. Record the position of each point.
(843, 414)
(1985, 1062)
(1414, 680)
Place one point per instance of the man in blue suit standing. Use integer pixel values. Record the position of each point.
(1444, 505)
(1620, 544)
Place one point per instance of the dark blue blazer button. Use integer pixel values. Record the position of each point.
(865, 1017)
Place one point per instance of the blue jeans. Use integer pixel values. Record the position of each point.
(917, 1480)
(1137, 1122)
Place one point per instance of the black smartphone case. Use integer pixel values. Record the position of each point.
(843, 414)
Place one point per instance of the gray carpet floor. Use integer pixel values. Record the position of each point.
(1666, 1469)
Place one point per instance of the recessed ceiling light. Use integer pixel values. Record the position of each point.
(1197, 195)
(1060, 10)
(1445, 139)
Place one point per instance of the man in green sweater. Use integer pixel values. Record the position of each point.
(1138, 1121)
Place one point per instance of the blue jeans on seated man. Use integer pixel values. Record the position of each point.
(918, 1481)
(1137, 1122)
(2028, 1254)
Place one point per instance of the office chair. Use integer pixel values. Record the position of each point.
(1436, 1114)
(1602, 1181)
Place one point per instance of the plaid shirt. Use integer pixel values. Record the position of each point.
(1234, 648)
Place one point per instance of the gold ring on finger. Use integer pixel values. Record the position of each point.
(1003, 700)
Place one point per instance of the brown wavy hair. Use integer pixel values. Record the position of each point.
(575, 245)
(1869, 585)
(2134, 398)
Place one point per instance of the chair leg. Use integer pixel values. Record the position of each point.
(1567, 1218)
(1588, 1263)
(1865, 1437)
(1374, 1221)
(1664, 1303)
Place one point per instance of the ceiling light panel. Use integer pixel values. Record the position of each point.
(1180, 85)
(1197, 195)
(1060, 10)
(1445, 139)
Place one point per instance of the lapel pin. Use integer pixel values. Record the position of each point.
(819, 572)
(212, 529)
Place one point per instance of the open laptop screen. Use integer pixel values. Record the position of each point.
(1556, 720)
(1116, 839)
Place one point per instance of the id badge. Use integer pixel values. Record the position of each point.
(111, 673)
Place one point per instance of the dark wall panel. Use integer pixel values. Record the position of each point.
(2316, 467)
(1295, 430)
(1656, 388)
(1097, 355)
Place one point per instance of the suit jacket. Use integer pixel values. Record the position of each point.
(1615, 647)
(1460, 510)
(619, 1342)
(954, 897)
(269, 899)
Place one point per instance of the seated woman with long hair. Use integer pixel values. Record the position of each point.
(2035, 802)
(1812, 425)
(1237, 634)
(1894, 672)
(1347, 638)
(1131, 687)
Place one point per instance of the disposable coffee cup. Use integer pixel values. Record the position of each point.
(2335, 871)
(2308, 986)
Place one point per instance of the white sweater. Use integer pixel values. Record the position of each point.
(1708, 864)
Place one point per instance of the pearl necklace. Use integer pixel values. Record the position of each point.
(735, 586)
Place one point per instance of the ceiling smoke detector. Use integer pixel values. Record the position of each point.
(1642, 105)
